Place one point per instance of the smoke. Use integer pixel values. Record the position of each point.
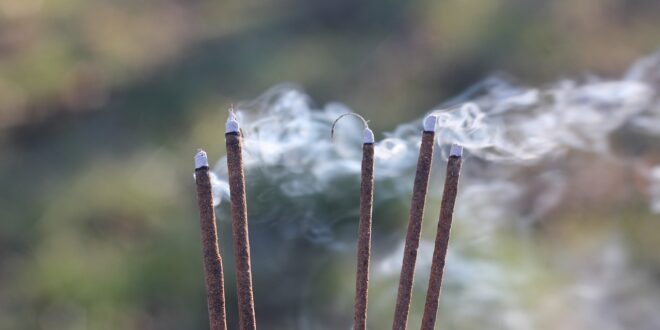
(517, 124)
(525, 146)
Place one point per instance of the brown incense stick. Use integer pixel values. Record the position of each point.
(246, 318)
(364, 237)
(213, 274)
(442, 237)
(364, 226)
(417, 204)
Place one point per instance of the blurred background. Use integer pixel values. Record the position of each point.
(104, 103)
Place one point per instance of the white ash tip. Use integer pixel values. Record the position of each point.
(368, 135)
(456, 150)
(232, 124)
(201, 160)
(430, 123)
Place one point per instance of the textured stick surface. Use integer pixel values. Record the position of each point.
(441, 242)
(240, 232)
(414, 230)
(214, 277)
(364, 237)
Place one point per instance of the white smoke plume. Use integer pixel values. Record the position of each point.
(518, 140)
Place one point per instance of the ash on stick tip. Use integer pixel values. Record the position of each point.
(430, 123)
(201, 160)
(232, 122)
(367, 134)
(456, 150)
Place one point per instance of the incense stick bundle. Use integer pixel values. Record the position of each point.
(442, 237)
(213, 274)
(417, 205)
(240, 235)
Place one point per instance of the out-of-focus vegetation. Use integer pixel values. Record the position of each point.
(103, 104)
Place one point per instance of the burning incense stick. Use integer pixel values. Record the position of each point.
(213, 274)
(364, 226)
(415, 224)
(442, 237)
(240, 225)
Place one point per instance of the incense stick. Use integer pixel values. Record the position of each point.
(246, 318)
(417, 204)
(364, 231)
(364, 226)
(213, 274)
(364, 236)
(442, 237)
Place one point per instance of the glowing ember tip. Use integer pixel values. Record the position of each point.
(430, 123)
(232, 123)
(456, 150)
(368, 135)
(201, 160)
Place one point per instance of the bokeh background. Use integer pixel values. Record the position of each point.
(104, 103)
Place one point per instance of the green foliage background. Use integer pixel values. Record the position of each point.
(103, 104)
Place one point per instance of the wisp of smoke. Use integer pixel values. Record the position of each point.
(304, 185)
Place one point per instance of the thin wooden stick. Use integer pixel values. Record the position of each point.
(247, 320)
(364, 236)
(213, 273)
(442, 237)
(364, 226)
(417, 205)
